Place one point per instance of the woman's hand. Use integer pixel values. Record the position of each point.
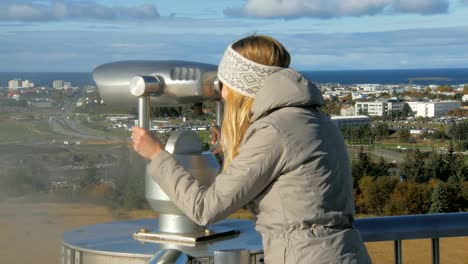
(215, 139)
(145, 144)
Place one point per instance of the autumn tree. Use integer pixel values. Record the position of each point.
(445, 88)
(376, 191)
(409, 198)
(465, 89)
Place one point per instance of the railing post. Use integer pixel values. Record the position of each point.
(435, 251)
(398, 257)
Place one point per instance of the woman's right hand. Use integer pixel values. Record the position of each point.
(145, 144)
(215, 139)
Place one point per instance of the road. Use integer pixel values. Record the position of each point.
(66, 124)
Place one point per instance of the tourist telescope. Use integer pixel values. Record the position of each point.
(173, 237)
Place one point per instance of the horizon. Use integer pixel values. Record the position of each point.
(78, 35)
(300, 70)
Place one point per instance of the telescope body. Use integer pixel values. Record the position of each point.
(181, 82)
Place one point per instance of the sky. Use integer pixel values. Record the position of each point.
(78, 35)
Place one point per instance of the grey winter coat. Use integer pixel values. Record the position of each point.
(292, 172)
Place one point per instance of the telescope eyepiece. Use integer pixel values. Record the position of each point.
(146, 85)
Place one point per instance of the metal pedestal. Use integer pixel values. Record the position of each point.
(113, 243)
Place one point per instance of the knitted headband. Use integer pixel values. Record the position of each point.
(243, 75)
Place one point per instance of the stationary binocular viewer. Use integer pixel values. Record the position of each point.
(168, 83)
(159, 83)
(172, 236)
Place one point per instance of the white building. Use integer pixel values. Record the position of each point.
(347, 121)
(58, 84)
(379, 108)
(13, 84)
(27, 84)
(433, 109)
(465, 98)
(414, 105)
(370, 108)
(370, 87)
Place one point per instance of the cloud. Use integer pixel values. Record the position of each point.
(62, 10)
(290, 9)
(72, 50)
(415, 48)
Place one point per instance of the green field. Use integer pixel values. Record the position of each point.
(24, 130)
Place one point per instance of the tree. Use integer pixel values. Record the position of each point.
(381, 130)
(409, 198)
(404, 135)
(464, 195)
(446, 165)
(90, 180)
(376, 191)
(406, 110)
(361, 166)
(459, 131)
(439, 202)
(413, 168)
(331, 108)
(445, 88)
(462, 145)
(381, 168)
(357, 135)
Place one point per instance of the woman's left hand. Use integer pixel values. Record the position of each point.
(145, 144)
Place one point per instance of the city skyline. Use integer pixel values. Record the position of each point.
(78, 35)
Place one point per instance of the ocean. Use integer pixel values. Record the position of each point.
(454, 76)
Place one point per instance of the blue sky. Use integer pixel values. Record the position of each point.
(78, 35)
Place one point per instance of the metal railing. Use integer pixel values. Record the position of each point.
(398, 228)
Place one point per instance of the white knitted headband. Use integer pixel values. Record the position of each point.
(243, 75)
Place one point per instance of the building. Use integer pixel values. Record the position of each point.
(370, 108)
(414, 105)
(58, 84)
(13, 84)
(433, 109)
(393, 104)
(381, 107)
(358, 96)
(465, 98)
(347, 121)
(27, 84)
(370, 87)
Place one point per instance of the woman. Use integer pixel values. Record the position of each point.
(283, 158)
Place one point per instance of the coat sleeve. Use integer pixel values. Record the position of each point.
(259, 162)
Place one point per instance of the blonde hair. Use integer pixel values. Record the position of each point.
(237, 107)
